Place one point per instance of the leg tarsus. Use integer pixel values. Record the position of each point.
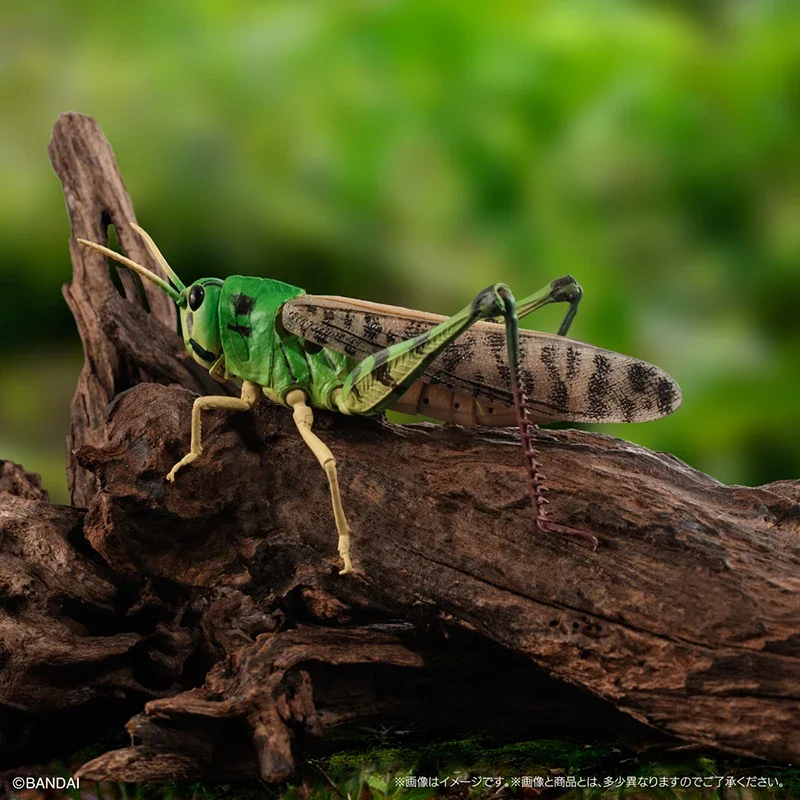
(547, 526)
(184, 462)
(538, 483)
(342, 528)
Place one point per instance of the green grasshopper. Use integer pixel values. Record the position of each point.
(355, 357)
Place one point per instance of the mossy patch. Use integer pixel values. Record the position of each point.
(377, 766)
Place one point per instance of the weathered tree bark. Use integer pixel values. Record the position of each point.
(80, 644)
(110, 325)
(16, 481)
(305, 681)
(687, 617)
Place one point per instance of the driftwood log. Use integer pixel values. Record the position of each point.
(686, 618)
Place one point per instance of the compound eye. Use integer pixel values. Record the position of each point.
(196, 297)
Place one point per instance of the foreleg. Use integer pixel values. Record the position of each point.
(249, 397)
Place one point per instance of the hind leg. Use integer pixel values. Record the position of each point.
(381, 379)
(560, 290)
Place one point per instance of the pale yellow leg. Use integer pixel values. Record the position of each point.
(249, 398)
(304, 419)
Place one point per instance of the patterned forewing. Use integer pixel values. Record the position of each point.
(565, 380)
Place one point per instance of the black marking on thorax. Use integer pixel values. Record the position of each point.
(243, 330)
(243, 304)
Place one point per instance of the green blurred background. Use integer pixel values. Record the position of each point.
(412, 153)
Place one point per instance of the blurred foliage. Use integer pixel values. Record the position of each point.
(413, 152)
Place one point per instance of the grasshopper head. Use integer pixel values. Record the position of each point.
(198, 303)
(200, 320)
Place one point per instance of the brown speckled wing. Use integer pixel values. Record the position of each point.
(566, 380)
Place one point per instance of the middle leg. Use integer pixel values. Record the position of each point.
(304, 418)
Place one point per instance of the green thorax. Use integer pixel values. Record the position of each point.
(258, 349)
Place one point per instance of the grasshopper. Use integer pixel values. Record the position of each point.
(356, 357)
